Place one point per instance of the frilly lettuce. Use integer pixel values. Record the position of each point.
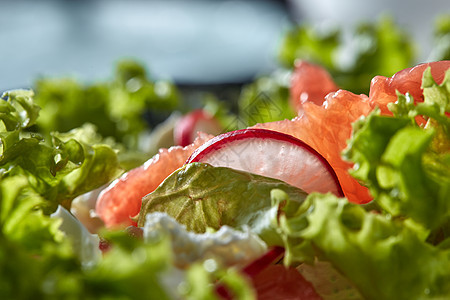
(407, 166)
(37, 261)
(120, 108)
(384, 258)
(21, 221)
(265, 100)
(401, 249)
(135, 269)
(58, 168)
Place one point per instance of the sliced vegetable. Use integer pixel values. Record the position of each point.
(271, 154)
(188, 126)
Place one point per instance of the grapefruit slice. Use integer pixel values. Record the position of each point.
(121, 200)
(309, 83)
(383, 90)
(271, 154)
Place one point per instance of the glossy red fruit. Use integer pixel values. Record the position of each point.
(271, 154)
(187, 127)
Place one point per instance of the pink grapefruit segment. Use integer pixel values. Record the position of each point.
(272, 154)
(121, 200)
(383, 90)
(310, 83)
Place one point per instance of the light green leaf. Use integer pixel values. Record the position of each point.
(201, 196)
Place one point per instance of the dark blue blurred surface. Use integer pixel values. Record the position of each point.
(196, 41)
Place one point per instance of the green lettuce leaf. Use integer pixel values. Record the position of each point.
(201, 196)
(59, 169)
(406, 166)
(265, 100)
(21, 220)
(200, 276)
(389, 157)
(38, 262)
(382, 257)
(30, 242)
(120, 108)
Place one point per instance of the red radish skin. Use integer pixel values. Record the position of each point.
(187, 127)
(272, 154)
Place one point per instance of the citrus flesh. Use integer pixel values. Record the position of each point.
(121, 200)
(309, 83)
(383, 90)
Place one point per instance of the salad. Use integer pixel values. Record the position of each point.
(302, 190)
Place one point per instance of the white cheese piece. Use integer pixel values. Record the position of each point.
(227, 245)
(85, 244)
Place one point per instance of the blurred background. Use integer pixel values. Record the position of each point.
(194, 42)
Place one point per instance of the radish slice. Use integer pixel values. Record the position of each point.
(271, 154)
(187, 127)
